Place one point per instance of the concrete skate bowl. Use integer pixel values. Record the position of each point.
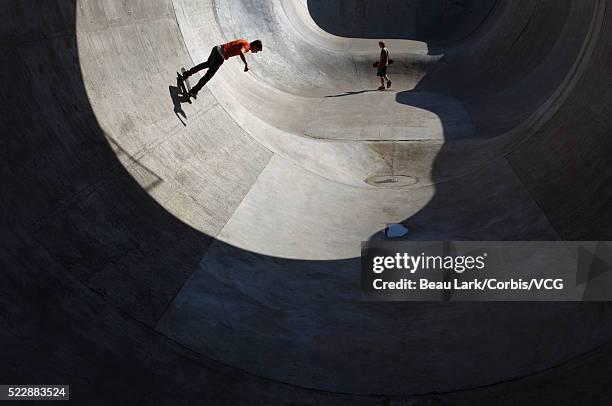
(173, 253)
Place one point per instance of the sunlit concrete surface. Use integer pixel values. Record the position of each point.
(208, 252)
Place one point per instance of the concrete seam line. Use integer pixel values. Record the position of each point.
(533, 198)
(178, 25)
(272, 155)
(550, 107)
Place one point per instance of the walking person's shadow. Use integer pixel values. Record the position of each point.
(352, 93)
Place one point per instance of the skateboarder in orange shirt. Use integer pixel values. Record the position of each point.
(218, 55)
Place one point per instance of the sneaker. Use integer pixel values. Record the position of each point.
(388, 84)
(381, 88)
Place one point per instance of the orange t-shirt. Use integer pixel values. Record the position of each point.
(233, 48)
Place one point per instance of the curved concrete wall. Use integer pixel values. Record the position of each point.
(437, 21)
(153, 246)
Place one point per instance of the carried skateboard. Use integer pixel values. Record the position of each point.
(183, 85)
(378, 63)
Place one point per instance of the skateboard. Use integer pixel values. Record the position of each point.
(378, 63)
(184, 85)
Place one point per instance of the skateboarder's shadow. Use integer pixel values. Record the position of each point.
(177, 100)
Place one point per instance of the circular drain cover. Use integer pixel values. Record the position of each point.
(391, 181)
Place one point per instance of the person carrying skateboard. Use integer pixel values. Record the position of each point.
(218, 55)
(383, 63)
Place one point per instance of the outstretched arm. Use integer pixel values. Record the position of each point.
(246, 65)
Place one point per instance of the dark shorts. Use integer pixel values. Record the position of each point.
(382, 71)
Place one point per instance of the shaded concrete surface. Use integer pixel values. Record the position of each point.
(433, 21)
(156, 252)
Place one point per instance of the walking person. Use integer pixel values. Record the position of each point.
(383, 63)
(218, 55)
